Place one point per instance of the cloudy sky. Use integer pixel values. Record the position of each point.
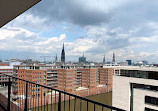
(94, 27)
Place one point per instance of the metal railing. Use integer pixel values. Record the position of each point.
(29, 96)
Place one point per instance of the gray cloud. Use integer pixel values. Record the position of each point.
(136, 15)
(103, 28)
(71, 11)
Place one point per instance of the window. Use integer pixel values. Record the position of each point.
(151, 100)
(148, 109)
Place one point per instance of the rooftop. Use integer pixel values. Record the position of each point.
(155, 69)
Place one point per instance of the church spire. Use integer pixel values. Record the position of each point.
(63, 54)
(104, 60)
(113, 58)
(56, 58)
(63, 46)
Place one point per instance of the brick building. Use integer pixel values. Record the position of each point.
(66, 80)
(77, 78)
(5, 70)
(36, 76)
(88, 80)
(105, 76)
(35, 93)
(52, 77)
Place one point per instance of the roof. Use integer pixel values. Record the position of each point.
(10, 9)
(134, 68)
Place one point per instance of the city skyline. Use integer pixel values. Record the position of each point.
(96, 31)
(59, 54)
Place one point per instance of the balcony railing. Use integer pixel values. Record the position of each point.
(31, 96)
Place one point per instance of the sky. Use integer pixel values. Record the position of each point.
(129, 28)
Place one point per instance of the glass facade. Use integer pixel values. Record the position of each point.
(139, 74)
(151, 100)
(149, 109)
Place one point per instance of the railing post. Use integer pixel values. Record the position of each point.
(26, 98)
(9, 90)
(59, 103)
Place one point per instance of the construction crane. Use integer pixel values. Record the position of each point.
(45, 57)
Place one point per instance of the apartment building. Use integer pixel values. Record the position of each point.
(52, 77)
(32, 67)
(96, 80)
(36, 76)
(136, 89)
(88, 80)
(105, 76)
(78, 77)
(66, 80)
(5, 70)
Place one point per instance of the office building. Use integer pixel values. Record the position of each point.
(145, 62)
(129, 62)
(136, 88)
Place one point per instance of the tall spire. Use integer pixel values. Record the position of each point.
(63, 54)
(113, 58)
(56, 58)
(83, 54)
(104, 60)
(63, 46)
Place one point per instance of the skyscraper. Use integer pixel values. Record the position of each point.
(63, 54)
(113, 58)
(104, 60)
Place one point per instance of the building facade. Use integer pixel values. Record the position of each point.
(82, 59)
(136, 89)
(66, 80)
(52, 77)
(105, 77)
(36, 76)
(5, 70)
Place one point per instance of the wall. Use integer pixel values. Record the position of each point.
(4, 102)
(121, 90)
(139, 99)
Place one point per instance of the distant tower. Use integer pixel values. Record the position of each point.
(63, 54)
(56, 58)
(113, 58)
(104, 60)
(82, 59)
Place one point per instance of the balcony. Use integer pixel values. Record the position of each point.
(46, 98)
(52, 75)
(51, 79)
